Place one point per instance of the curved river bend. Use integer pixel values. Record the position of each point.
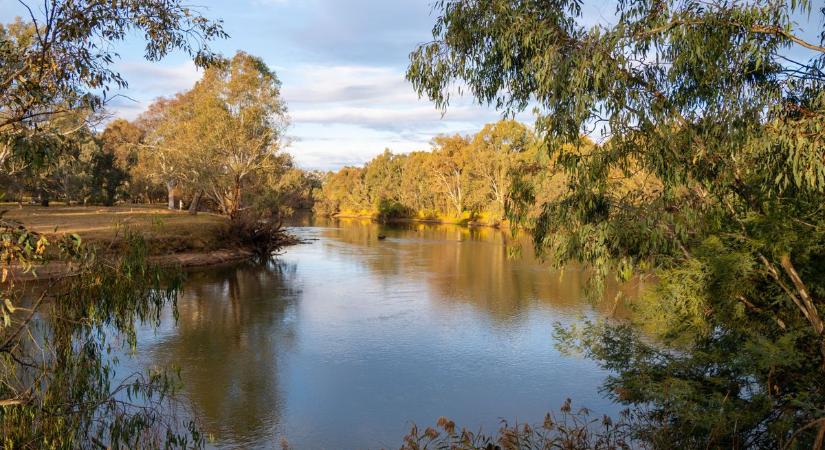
(346, 341)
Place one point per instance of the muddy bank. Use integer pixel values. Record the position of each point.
(59, 269)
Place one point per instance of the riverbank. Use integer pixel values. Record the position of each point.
(466, 219)
(173, 238)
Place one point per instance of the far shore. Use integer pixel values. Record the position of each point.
(463, 221)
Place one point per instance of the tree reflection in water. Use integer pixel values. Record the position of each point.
(230, 320)
(341, 343)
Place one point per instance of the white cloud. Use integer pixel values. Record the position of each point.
(326, 84)
(148, 81)
(145, 76)
(347, 114)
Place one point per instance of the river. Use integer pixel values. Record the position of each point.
(347, 340)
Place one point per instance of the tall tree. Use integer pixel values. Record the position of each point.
(499, 151)
(448, 166)
(703, 99)
(221, 135)
(417, 184)
(250, 93)
(183, 135)
(160, 123)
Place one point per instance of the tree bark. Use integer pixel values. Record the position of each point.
(236, 198)
(44, 197)
(804, 295)
(196, 199)
(170, 187)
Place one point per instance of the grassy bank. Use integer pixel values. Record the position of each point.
(172, 237)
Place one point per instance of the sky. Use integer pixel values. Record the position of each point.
(342, 66)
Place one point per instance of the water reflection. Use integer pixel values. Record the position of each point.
(233, 324)
(343, 342)
(482, 266)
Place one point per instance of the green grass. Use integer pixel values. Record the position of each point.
(165, 231)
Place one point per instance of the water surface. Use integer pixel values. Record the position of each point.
(346, 341)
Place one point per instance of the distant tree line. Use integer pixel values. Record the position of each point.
(461, 178)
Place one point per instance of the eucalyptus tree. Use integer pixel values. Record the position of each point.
(499, 150)
(182, 134)
(449, 169)
(417, 184)
(251, 130)
(382, 175)
(720, 107)
(222, 135)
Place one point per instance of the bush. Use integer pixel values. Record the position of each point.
(391, 209)
(264, 236)
(570, 430)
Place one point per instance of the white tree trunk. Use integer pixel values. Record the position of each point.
(170, 188)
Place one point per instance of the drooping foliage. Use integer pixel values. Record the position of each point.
(709, 173)
(61, 387)
(58, 387)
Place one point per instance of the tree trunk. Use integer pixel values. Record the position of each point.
(44, 197)
(196, 199)
(236, 198)
(170, 187)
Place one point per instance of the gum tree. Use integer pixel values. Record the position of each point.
(710, 174)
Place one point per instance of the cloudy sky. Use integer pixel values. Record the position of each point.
(342, 65)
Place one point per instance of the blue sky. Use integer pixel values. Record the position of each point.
(342, 65)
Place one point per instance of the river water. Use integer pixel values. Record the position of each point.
(346, 341)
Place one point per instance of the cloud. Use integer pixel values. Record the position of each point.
(412, 117)
(144, 76)
(336, 31)
(369, 96)
(332, 146)
(345, 83)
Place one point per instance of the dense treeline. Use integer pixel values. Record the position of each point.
(462, 178)
(72, 164)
